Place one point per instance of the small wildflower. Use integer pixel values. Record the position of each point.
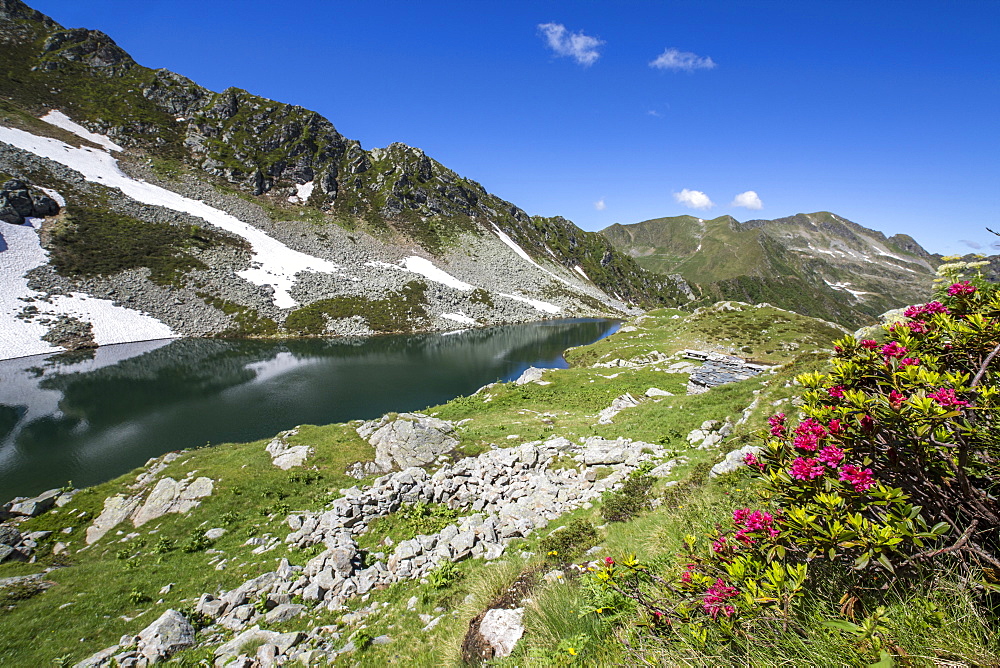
(896, 400)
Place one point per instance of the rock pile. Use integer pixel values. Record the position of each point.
(718, 370)
(512, 492)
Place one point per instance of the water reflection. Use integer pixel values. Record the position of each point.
(92, 417)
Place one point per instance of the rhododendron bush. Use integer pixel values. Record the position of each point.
(892, 465)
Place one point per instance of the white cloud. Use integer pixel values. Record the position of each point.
(749, 200)
(581, 48)
(694, 199)
(600, 205)
(681, 61)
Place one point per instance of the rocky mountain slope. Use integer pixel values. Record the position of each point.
(188, 212)
(818, 264)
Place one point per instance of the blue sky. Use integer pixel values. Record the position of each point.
(887, 113)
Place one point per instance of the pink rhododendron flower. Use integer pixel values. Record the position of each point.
(805, 468)
(777, 423)
(917, 327)
(909, 361)
(750, 459)
(896, 400)
(930, 308)
(861, 479)
(831, 455)
(869, 344)
(720, 545)
(686, 577)
(867, 423)
(893, 350)
(808, 434)
(713, 602)
(834, 427)
(837, 391)
(608, 561)
(749, 521)
(963, 288)
(946, 397)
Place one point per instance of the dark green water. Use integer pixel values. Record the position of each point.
(89, 419)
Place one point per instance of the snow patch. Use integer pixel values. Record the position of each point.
(460, 318)
(22, 252)
(544, 307)
(59, 199)
(520, 251)
(845, 286)
(303, 192)
(273, 264)
(61, 120)
(578, 269)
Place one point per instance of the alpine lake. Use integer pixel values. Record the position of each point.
(86, 417)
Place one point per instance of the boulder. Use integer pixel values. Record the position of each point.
(171, 496)
(37, 505)
(9, 535)
(286, 456)
(657, 392)
(733, 460)
(116, 509)
(530, 375)
(502, 628)
(410, 439)
(617, 406)
(166, 636)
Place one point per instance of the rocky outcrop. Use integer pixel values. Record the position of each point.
(502, 628)
(168, 496)
(286, 456)
(172, 496)
(606, 415)
(165, 637)
(408, 439)
(17, 203)
(718, 369)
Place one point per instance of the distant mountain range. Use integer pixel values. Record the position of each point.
(154, 207)
(817, 264)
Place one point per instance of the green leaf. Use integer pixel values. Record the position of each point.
(885, 660)
(843, 625)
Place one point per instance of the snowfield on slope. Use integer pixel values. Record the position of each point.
(274, 264)
(20, 252)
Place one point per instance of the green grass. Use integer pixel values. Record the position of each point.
(91, 242)
(399, 311)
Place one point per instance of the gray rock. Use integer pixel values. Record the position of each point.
(215, 534)
(657, 392)
(502, 628)
(530, 375)
(98, 659)
(284, 612)
(172, 496)
(618, 405)
(9, 535)
(411, 439)
(37, 505)
(166, 636)
(734, 460)
(116, 509)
